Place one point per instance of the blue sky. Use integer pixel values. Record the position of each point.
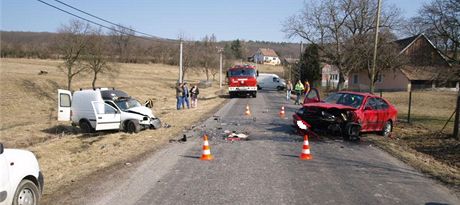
(228, 20)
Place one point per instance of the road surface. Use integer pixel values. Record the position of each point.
(265, 169)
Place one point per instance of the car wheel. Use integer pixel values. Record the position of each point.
(132, 126)
(85, 126)
(27, 193)
(387, 128)
(279, 88)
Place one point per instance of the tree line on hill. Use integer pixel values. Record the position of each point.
(85, 48)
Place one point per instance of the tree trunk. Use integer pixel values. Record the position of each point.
(94, 80)
(456, 133)
(69, 82)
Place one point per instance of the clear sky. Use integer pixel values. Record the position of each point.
(228, 20)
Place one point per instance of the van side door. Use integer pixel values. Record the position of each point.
(107, 117)
(64, 105)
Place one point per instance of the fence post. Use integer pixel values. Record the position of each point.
(457, 120)
(410, 103)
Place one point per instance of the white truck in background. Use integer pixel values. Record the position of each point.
(104, 109)
(268, 81)
(21, 181)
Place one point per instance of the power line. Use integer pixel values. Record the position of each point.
(103, 19)
(90, 21)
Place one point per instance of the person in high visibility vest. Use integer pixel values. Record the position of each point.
(298, 91)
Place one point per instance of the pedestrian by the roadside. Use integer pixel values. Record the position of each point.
(185, 96)
(288, 90)
(307, 87)
(194, 92)
(179, 94)
(298, 91)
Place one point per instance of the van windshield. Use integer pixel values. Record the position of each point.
(125, 104)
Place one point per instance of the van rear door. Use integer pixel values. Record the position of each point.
(64, 104)
(107, 117)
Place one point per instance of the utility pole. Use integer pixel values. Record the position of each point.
(180, 62)
(377, 25)
(220, 50)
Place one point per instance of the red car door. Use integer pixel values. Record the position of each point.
(383, 113)
(312, 96)
(370, 115)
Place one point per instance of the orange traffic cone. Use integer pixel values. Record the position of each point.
(247, 110)
(206, 150)
(282, 113)
(305, 149)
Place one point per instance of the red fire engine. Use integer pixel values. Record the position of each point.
(242, 80)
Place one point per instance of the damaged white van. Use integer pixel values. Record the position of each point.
(104, 109)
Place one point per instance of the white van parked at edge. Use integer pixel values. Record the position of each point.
(21, 181)
(268, 81)
(104, 109)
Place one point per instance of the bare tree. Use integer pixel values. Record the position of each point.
(208, 55)
(442, 19)
(332, 23)
(122, 39)
(97, 57)
(359, 55)
(71, 44)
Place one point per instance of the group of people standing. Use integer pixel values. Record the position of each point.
(183, 94)
(299, 89)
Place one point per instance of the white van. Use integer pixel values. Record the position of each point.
(104, 109)
(270, 81)
(21, 181)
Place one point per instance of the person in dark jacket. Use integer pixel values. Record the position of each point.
(194, 92)
(185, 96)
(179, 94)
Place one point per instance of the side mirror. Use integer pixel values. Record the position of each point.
(368, 107)
(1, 148)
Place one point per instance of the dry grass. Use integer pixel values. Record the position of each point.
(430, 108)
(421, 143)
(28, 117)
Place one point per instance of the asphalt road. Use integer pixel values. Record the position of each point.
(265, 169)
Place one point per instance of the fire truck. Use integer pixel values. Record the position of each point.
(242, 80)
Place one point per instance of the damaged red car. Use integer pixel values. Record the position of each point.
(346, 113)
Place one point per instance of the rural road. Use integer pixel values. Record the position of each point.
(265, 169)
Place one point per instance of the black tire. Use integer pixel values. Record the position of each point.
(279, 88)
(254, 94)
(258, 87)
(85, 126)
(387, 129)
(26, 193)
(232, 95)
(132, 126)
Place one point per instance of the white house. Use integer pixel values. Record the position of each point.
(266, 56)
(330, 76)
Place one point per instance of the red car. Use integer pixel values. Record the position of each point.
(346, 113)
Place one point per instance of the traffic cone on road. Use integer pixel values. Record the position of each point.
(247, 112)
(282, 113)
(305, 149)
(206, 150)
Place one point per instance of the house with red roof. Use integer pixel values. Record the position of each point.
(266, 56)
(427, 67)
